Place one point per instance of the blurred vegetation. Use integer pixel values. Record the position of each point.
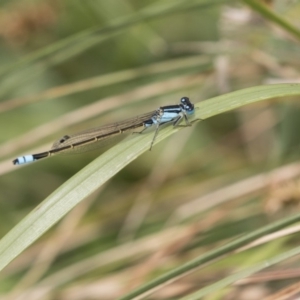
(69, 65)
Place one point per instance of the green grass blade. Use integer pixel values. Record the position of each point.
(242, 274)
(200, 61)
(212, 255)
(92, 36)
(273, 17)
(53, 208)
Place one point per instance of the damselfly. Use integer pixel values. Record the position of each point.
(172, 114)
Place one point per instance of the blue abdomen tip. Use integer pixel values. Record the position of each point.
(23, 160)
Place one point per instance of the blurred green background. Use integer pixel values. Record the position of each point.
(66, 66)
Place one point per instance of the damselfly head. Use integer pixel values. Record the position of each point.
(187, 105)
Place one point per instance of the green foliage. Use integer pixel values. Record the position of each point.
(131, 220)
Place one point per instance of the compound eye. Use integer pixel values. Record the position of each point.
(185, 101)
